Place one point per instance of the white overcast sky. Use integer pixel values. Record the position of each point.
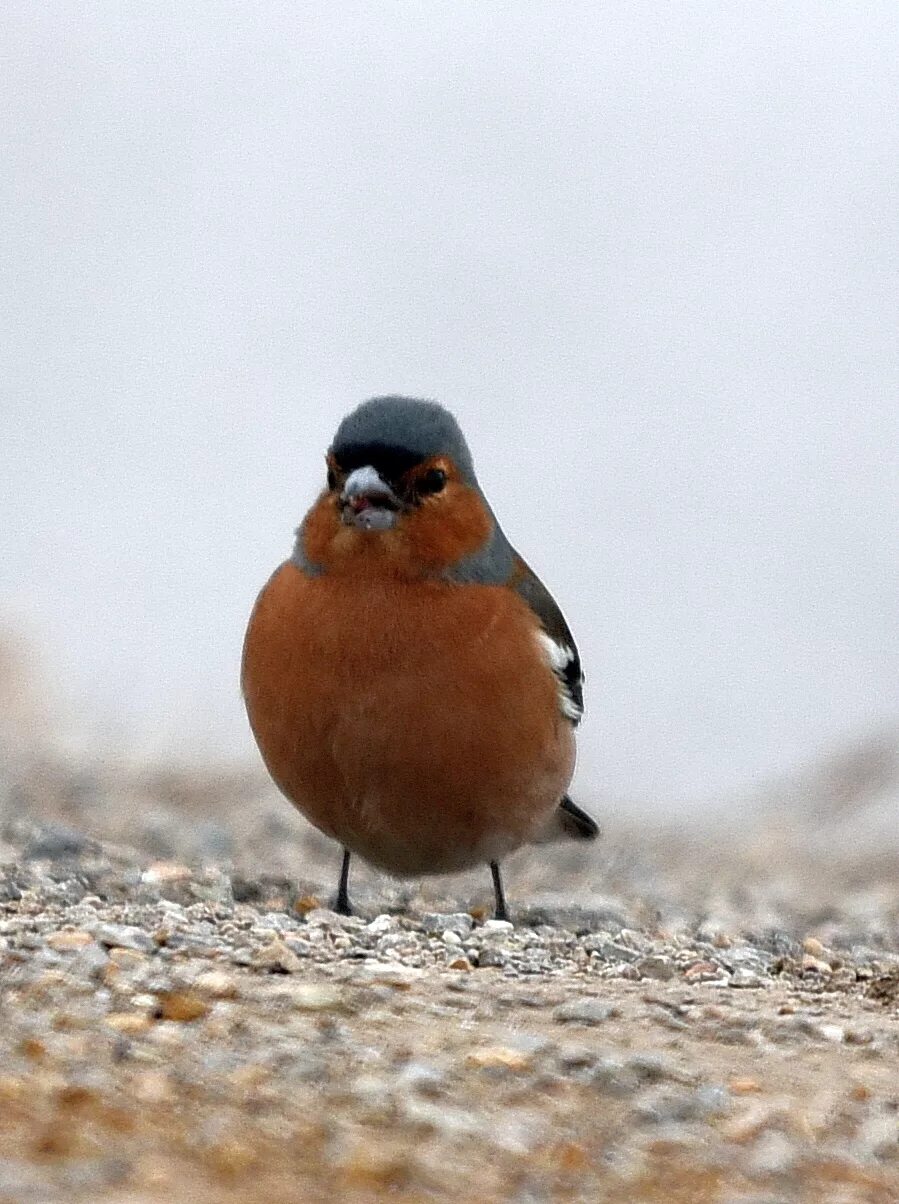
(648, 253)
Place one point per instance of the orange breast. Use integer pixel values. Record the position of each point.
(415, 722)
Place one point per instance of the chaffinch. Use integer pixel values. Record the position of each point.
(412, 685)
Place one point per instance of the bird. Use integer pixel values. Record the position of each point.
(411, 684)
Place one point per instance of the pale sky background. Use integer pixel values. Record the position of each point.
(649, 254)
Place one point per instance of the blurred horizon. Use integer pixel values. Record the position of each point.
(648, 257)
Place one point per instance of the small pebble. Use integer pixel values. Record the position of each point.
(65, 942)
(182, 1006)
(492, 928)
(218, 984)
(130, 1024)
(585, 1011)
(660, 968)
(313, 997)
(124, 936)
(277, 958)
(745, 980)
(499, 1057)
(389, 974)
(166, 871)
(459, 923)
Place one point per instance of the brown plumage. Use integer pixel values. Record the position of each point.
(411, 715)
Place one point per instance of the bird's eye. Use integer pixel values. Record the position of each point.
(332, 479)
(431, 481)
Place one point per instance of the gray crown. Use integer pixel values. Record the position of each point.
(420, 427)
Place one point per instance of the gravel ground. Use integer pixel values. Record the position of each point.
(691, 1013)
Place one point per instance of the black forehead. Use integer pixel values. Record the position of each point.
(391, 461)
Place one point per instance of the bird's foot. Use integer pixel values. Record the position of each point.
(341, 903)
(502, 911)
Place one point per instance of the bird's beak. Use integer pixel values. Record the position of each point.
(367, 501)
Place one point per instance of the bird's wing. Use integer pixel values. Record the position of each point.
(560, 646)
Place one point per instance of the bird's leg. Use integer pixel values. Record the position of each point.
(502, 912)
(342, 902)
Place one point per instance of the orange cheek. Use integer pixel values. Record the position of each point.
(320, 528)
(442, 531)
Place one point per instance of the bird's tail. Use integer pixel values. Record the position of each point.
(569, 822)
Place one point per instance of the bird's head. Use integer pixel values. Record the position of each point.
(401, 494)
